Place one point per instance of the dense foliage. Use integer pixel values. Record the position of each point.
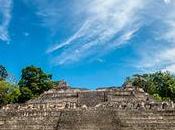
(9, 93)
(159, 84)
(33, 82)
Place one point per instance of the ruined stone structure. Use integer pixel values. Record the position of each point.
(63, 108)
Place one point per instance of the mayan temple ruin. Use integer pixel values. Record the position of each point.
(65, 108)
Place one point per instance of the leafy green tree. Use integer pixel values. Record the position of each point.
(4, 87)
(13, 95)
(34, 82)
(157, 97)
(26, 94)
(3, 73)
(159, 84)
(8, 93)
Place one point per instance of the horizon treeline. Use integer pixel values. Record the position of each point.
(34, 81)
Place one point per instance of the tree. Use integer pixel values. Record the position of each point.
(26, 94)
(159, 84)
(3, 73)
(34, 82)
(9, 93)
(4, 87)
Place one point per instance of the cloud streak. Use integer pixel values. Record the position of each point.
(5, 13)
(108, 24)
(161, 53)
(104, 26)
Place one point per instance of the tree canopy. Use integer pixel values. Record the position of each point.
(159, 84)
(8, 93)
(33, 82)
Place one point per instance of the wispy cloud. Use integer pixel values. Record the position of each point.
(167, 1)
(103, 26)
(161, 53)
(48, 12)
(108, 24)
(76, 36)
(5, 13)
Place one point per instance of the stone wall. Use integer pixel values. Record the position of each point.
(91, 98)
(116, 109)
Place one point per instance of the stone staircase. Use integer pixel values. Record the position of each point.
(147, 120)
(116, 109)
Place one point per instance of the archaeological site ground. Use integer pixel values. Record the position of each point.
(64, 108)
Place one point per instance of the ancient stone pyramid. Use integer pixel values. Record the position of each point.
(63, 108)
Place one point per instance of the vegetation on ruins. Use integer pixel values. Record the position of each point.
(34, 81)
(160, 85)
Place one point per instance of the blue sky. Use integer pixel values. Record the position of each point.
(88, 43)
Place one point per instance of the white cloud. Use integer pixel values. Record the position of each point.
(104, 26)
(77, 35)
(48, 11)
(167, 1)
(170, 68)
(26, 34)
(108, 25)
(161, 53)
(5, 10)
(164, 59)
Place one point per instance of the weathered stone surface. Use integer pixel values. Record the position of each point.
(104, 109)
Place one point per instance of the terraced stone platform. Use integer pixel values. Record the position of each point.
(126, 108)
